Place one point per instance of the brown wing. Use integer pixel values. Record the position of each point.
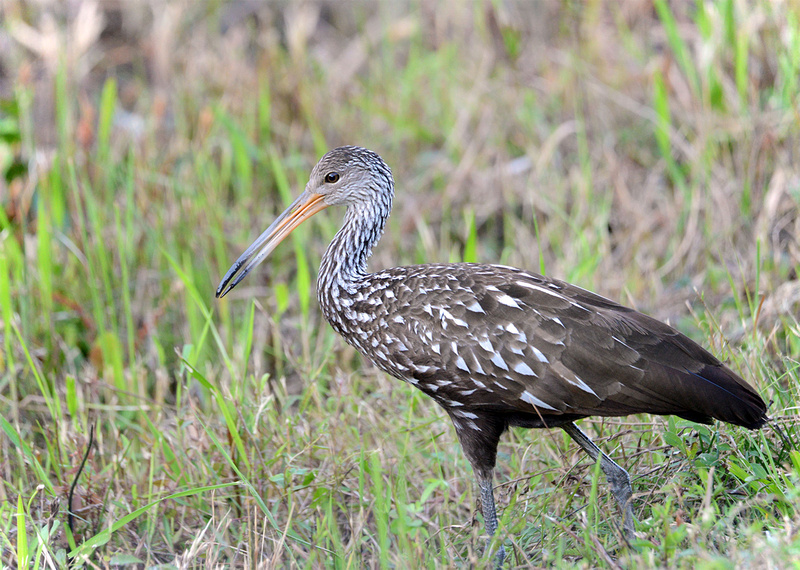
(496, 339)
(650, 367)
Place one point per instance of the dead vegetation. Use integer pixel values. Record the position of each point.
(646, 151)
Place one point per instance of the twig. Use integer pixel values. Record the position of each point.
(70, 515)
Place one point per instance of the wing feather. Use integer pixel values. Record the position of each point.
(501, 339)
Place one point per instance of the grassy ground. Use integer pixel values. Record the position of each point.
(645, 151)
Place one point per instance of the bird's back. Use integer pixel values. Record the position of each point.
(494, 340)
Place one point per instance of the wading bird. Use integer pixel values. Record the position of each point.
(497, 346)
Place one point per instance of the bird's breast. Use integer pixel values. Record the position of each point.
(459, 341)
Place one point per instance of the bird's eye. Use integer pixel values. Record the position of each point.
(332, 177)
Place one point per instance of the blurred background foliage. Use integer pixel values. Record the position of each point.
(644, 150)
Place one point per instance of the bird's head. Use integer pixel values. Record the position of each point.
(348, 175)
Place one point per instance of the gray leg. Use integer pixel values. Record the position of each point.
(489, 513)
(617, 477)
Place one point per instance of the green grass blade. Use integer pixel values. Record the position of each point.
(20, 443)
(108, 100)
(226, 406)
(471, 244)
(22, 536)
(381, 508)
(85, 548)
(678, 46)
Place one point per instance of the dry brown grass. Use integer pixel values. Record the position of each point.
(540, 119)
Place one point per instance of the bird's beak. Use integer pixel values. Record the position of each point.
(305, 206)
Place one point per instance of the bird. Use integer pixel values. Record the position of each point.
(497, 346)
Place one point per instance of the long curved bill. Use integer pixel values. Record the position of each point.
(305, 206)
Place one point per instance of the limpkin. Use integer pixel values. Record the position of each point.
(497, 346)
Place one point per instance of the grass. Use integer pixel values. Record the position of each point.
(643, 152)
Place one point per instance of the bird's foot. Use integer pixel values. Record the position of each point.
(499, 556)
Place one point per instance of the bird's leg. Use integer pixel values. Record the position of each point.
(617, 477)
(479, 440)
(485, 484)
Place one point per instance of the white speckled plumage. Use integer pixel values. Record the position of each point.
(497, 346)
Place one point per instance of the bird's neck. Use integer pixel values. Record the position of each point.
(344, 265)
